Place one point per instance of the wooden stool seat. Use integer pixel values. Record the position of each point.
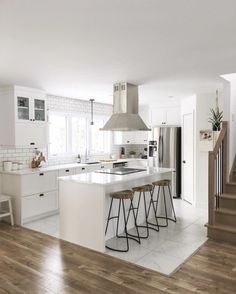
(126, 194)
(144, 188)
(161, 183)
(5, 198)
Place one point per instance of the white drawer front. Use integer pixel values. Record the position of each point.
(66, 172)
(39, 183)
(38, 204)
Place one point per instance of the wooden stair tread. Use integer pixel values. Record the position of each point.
(231, 183)
(225, 211)
(228, 196)
(222, 228)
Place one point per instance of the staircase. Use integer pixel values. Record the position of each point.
(222, 193)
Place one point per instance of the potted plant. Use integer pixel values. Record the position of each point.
(216, 116)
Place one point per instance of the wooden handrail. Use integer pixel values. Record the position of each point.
(217, 171)
(221, 137)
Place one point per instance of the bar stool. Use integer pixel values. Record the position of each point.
(162, 184)
(7, 199)
(148, 225)
(121, 196)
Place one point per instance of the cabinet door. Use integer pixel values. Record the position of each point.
(140, 137)
(39, 110)
(173, 116)
(30, 134)
(23, 108)
(66, 172)
(38, 204)
(158, 116)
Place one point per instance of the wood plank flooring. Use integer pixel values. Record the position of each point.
(32, 262)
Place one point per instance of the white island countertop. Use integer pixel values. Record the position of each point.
(96, 178)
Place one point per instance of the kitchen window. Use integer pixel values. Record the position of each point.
(71, 134)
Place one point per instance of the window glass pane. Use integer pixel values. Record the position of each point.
(78, 134)
(99, 140)
(57, 134)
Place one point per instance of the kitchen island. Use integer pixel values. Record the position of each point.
(84, 203)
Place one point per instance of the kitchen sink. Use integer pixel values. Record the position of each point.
(93, 162)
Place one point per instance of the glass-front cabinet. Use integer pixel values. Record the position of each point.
(39, 110)
(23, 108)
(31, 109)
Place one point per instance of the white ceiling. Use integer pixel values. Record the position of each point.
(80, 48)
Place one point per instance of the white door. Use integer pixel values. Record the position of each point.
(188, 163)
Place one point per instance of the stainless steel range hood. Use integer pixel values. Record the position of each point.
(125, 110)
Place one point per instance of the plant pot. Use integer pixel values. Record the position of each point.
(215, 128)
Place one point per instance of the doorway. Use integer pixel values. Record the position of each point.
(188, 157)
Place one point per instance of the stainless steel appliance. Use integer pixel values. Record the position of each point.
(125, 115)
(120, 171)
(165, 151)
(120, 164)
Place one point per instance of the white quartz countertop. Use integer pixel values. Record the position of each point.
(65, 166)
(94, 178)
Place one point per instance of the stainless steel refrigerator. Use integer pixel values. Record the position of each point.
(165, 151)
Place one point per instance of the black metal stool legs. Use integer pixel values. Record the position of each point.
(166, 218)
(126, 236)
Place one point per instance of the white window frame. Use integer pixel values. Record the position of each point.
(69, 116)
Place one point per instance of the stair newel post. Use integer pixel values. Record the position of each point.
(211, 188)
(225, 156)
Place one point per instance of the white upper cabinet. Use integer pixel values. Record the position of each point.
(126, 138)
(165, 116)
(30, 105)
(23, 117)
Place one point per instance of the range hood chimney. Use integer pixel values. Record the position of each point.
(125, 110)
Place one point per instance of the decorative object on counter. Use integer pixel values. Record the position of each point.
(91, 103)
(79, 158)
(122, 152)
(14, 166)
(132, 154)
(7, 165)
(20, 166)
(36, 162)
(217, 115)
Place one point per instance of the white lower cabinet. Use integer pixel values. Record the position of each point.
(38, 204)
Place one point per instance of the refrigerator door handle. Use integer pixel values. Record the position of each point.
(162, 143)
(159, 151)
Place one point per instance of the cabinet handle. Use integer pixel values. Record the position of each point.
(102, 166)
(41, 195)
(67, 170)
(41, 174)
(32, 143)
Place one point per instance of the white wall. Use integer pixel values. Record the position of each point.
(200, 106)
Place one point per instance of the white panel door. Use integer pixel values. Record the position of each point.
(188, 162)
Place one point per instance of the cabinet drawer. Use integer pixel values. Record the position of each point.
(38, 204)
(39, 183)
(66, 172)
(89, 168)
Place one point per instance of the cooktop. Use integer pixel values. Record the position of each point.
(120, 171)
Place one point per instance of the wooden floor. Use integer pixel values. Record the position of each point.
(32, 262)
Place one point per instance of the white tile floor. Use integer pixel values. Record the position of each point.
(164, 251)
